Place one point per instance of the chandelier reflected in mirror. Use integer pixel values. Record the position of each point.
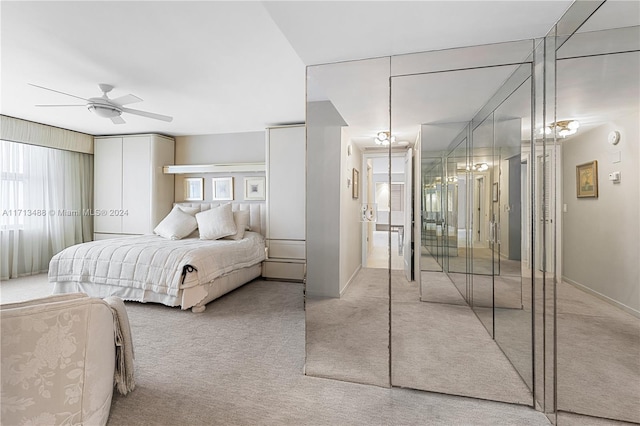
(384, 138)
(562, 128)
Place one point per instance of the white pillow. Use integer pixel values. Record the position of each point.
(241, 218)
(216, 223)
(192, 211)
(176, 225)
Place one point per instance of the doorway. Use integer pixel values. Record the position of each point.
(384, 241)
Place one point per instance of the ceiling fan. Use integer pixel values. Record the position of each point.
(105, 107)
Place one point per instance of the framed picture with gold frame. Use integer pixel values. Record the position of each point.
(355, 183)
(587, 180)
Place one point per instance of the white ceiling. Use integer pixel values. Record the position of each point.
(222, 67)
(322, 31)
(216, 67)
(442, 101)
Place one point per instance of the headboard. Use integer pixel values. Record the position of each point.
(257, 213)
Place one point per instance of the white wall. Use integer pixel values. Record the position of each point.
(323, 199)
(600, 236)
(350, 225)
(246, 147)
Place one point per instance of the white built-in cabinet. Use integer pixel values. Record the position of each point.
(286, 183)
(131, 192)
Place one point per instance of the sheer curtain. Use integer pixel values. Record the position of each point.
(45, 195)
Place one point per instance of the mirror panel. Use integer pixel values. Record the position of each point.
(439, 342)
(347, 284)
(539, 260)
(432, 216)
(531, 224)
(512, 292)
(482, 229)
(459, 254)
(598, 291)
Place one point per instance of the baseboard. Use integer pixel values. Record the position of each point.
(350, 279)
(602, 297)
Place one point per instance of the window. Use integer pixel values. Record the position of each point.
(13, 181)
(43, 193)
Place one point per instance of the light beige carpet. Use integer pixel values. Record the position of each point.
(241, 363)
(348, 338)
(443, 347)
(598, 357)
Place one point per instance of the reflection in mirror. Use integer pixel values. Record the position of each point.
(439, 342)
(348, 218)
(482, 221)
(512, 282)
(459, 219)
(432, 249)
(598, 307)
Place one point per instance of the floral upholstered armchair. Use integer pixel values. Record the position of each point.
(58, 360)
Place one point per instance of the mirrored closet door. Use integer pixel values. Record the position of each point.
(598, 290)
(471, 126)
(350, 221)
(472, 219)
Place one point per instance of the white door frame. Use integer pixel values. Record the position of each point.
(366, 156)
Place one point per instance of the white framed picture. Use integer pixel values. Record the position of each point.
(222, 188)
(193, 189)
(254, 188)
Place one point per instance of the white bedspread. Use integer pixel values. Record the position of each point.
(153, 263)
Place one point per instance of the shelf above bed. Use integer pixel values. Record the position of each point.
(214, 168)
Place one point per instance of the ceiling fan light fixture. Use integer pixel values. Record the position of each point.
(105, 107)
(104, 111)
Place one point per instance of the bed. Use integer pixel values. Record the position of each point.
(187, 272)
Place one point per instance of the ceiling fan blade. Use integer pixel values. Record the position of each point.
(118, 120)
(126, 99)
(148, 114)
(57, 91)
(77, 105)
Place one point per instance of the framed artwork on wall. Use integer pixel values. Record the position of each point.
(355, 183)
(587, 180)
(254, 188)
(194, 189)
(222, 188)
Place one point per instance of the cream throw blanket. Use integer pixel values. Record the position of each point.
(123, 378)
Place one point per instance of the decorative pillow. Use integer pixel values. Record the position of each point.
(216, 223)
(192, 211)
(241, 218)
(176, 225)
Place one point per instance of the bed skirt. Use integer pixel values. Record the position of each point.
(194, 298)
